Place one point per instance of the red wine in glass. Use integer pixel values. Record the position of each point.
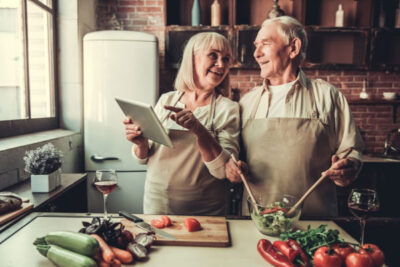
(106, 187)
(361, 203)
(105, 181)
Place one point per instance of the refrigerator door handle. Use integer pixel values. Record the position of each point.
(97, 158)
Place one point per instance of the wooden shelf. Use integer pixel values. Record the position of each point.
(358, 46)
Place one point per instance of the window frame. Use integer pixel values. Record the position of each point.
(16, 127)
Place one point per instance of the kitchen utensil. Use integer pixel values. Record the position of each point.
(246, 185)
(214, 231)
(311, 189)
(140, 223)
(11, 215)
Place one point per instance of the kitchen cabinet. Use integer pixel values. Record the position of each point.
(367, 41)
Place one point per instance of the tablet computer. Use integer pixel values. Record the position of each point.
(143, 115)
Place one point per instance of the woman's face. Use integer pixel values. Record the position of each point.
(210, 68)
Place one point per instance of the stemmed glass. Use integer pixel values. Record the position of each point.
(105, 182)
(362, 202)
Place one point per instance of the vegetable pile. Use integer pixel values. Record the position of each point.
(99, 243)
(321, 246)
(272, 220)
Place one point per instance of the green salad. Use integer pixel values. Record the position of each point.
(272, 220)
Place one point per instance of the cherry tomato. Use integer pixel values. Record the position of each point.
(343, 249)
(356, 259)
(157, 223)
(192, 224)
(326, 257)
(166, 220)
(375, 253)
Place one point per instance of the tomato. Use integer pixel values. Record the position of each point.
(356, 259)
(192, 225)
(157, 223)
(343, 249)
(375, 253)
(326, 257)
(166, 220)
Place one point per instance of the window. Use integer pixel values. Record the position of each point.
(27, 66)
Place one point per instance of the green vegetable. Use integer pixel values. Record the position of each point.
(311, 239)
(65, 258)
(81, 243)
(272, 223)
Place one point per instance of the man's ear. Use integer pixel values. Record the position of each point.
(295, 47)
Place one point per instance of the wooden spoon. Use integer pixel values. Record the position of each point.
(311, 189)
(253, 200)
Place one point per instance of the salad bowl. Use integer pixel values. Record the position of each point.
(270, 217)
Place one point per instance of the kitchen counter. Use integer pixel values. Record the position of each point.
(379, 159)
(242, 252)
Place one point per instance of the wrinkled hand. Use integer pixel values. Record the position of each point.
(342, 171)
(185, 118)
(133, 132)
(233, 170)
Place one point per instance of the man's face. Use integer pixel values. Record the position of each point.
(271, 52)
(211, 67)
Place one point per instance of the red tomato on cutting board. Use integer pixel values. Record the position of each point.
(192, 225)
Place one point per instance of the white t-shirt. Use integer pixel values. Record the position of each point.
(278, 97)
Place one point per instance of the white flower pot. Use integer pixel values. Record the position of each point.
(43, 183)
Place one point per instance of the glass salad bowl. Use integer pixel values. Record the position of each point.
(271, 218)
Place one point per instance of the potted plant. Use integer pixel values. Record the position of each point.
(44, 165)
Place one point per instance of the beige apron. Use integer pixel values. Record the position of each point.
(287, 155)
(178, 182)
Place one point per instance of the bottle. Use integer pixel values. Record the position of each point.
(382, 16)
(397, 21)
(364, 94)
(339, 16)
(215, 13)
(196, 13)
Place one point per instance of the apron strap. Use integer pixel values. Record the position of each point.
(314, 113)
(173, 103)
(255, 107)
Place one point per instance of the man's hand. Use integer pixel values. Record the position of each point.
(342, 171)
(233, 170)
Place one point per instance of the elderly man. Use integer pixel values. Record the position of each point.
(293, 127)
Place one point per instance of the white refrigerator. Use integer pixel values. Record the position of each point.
(121, 64)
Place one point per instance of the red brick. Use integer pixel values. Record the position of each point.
(151, 3)
(149, 9)
(131, 3)
(249, 72)
(240, 78)
(328, 72)
(126, 9)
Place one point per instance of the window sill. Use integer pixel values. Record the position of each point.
(32, 138)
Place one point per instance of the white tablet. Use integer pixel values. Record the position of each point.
(143, 115)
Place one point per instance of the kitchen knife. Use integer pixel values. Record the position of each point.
(140, 223)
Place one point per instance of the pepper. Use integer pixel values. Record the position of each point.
(271, 254)
(286, 250)
(273, 210)
(303, 256)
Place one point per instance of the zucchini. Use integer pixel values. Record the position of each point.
(65, 258)
(80, 243)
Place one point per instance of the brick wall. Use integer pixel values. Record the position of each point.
(374, 121)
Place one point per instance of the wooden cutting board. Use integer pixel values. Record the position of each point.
(11, 215)
(214, 232)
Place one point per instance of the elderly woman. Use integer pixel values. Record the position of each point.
(204, 128)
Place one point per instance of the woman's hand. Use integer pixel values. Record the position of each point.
(342, 171)
(233, 170)
(185, 118)
(133, 133)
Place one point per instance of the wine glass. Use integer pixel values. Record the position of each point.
(362, 202)
(105, 182)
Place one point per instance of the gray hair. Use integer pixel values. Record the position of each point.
(199, 42)
(290, 28)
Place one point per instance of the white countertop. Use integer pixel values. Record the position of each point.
(18, 250)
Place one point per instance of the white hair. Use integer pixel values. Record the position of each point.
(199, 42)
(290, 28)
